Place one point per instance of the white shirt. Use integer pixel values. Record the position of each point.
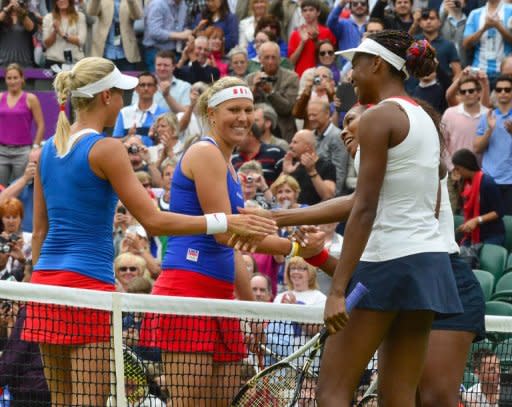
(308, 297)
(474, 397)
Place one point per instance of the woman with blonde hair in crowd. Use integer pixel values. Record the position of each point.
(81, 173)
(127, 267)
(247, 26)
(18, 111)
(64, 34)
(286, 191)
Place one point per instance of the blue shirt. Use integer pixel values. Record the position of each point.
(80, 208)
(229, 25)
(113, 50)
(180, 91)
(446, 53)
(143, 120)
(161, 18)
(345, 30)
(200, 253)
(497, 158)
(491, 48)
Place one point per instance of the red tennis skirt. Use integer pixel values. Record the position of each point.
(222, 337)
(65, 325)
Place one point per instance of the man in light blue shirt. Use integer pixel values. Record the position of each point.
(165, 27)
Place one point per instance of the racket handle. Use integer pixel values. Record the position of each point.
(355, 295)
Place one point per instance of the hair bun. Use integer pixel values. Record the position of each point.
(421, 59)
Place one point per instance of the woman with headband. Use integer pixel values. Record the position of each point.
(203, 266)
(80, 176)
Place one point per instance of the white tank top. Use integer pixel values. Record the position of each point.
(405, 221)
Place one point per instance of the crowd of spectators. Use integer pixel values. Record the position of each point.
(293, 155)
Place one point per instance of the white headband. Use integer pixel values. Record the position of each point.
(114, 79)
(234, 92)
(369, 46)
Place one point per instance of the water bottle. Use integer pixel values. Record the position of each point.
(5, 397)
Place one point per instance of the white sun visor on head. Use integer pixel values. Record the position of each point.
(369, 46)
(114, 79)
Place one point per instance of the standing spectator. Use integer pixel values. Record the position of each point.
(276, 86)
(488, 35)
(194, 8)
(247, 26)
(401, 18)
(137, 119)
(64, 29)
(453, 23)
(265, 35)
(329, 145)
(345, 30)
(269, 23)
(265, 117)
(251, 148)
(446, 53)
(18, 111)
(172, 92)
(165, 27)
(301, 47)
(114, 36)
(494, 142)
(217, 13)
(238, 62)
(195, 64)
(486, 393)
(359, 13)
(216, 43)
(459, 123)
(316, 176)
(17, 25)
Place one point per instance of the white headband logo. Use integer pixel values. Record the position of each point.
(234, 92)
(88, 91)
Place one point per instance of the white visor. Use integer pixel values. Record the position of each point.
(114, 79)
(369, 46)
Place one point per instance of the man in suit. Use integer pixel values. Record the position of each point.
(276, 86)
(328, 140)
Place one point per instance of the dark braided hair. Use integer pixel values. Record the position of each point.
(419, 55)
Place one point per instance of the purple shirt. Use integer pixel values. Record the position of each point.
(16, 122)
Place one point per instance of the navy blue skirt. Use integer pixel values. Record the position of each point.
(473, 302)
(422, 281)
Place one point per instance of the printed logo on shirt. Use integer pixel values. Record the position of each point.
(193, 255)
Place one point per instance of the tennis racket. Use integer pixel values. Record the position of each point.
(280, 385)
(135, 376)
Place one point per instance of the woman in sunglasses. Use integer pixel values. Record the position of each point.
(128, 266)
(325, 57)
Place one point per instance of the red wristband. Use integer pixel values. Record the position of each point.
(319, 259)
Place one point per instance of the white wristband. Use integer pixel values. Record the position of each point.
(216, 223)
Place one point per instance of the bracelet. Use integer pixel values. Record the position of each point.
(480, 220)
(35, 145)
(319, 259)
(313, 175)
(294, 250)
(216, 223)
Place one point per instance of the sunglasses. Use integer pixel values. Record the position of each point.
(467, 91)
(506, 90)
(124, 269)
(358, 3)
(324, 53)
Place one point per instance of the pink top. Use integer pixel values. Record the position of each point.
(15, 122)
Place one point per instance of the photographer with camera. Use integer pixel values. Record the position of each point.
(140, 159)
(15, 245)
(276, 86)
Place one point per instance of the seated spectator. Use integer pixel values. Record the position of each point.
(269, 23)
(164, 28)
(64, 34)
(254, 187)
(140, 159)
(195, 64)
(127, 267)
(486, 393)
(23, 189)
(166, 134)
(216, 42)
(482, 203)
(316, 176)
(262, 36)
(137, 119)
(168, 167)
(265, 117)
(251, 148)
(122, 221)
(247, 26)
(19, 111)
(430, 90)
(114, 36)
(172, 93)
(276, 86)
(17, 26)
(238, 62)
(286, 190)
(217, 13)
(325, 57)
(13, 241)
(189, 125)
(301, 47)
(138, 242)
(251, 268)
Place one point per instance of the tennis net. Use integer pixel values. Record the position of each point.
(117, 349)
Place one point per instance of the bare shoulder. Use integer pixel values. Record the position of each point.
(204, 158)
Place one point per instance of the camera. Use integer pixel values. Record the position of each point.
(425, 14)
(133, 149)
(68, 56)
(249, 179)
(268, 79)
(122, 210)
(457, 4)
(317, 80)
(6, 244)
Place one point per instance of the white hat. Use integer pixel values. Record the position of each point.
(369, 46)
(114, 79)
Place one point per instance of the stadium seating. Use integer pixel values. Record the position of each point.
(507, 220)
(498, 308)
(486, 280)
(503, 289)
(493, 258)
